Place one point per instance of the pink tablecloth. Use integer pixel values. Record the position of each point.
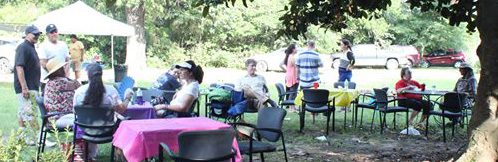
(139, 139)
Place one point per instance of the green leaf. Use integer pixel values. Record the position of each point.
(205, 11)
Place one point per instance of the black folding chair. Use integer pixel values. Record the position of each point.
(45, 128)
(382, 105)
(351, 85)
(209, 145)
(283, 96)
(317, 101)
(98, 125)
(451, 107)
(268, 127)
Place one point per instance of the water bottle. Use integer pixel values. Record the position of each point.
(139, 99)
(346, 84)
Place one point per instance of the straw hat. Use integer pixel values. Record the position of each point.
(465, 65)
(54, 64)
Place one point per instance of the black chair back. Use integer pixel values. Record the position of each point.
(208, 144)
(168, 95)
(95, 116)
(315, 98)
(454, 101)
(380, 98)
(281, 91)
(270, 117)
(351, 85)
(41, 106)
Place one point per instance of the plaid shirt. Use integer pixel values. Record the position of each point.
(308, 63)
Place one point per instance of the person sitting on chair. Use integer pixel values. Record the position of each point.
(191, 75)
(253, 86)
(413, 101)
(168, 81)
(95, 93)
(467, 83)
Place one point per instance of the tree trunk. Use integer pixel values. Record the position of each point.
(483, 127)
(135, 46)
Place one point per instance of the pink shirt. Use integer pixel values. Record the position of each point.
(291, 74)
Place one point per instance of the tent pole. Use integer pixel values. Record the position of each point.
(112, 54)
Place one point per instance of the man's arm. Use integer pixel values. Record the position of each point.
(43, 63)
(82, 51)
(22, 81)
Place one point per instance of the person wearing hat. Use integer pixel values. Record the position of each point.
(191, 75)
(77, 52)
(95, 93)
(51, 48)
(467, 83)
(27, 76)
(59, 91)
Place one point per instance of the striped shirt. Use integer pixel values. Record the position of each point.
(308, 63)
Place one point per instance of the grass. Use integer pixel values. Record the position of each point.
(294, 139)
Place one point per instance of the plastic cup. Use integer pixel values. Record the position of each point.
(315, 85)
(423, 87)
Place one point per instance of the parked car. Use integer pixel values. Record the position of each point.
(448, 57)
(272, 60)
(7, 53)
(390, 57)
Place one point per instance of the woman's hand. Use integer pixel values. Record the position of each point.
(160, 107)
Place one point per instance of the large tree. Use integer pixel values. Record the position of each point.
(333, 15)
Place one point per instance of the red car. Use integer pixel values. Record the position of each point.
(443, 58)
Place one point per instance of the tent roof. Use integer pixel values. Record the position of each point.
(79, 18)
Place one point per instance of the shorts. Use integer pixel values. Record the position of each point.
(28, 109)
(76, 65)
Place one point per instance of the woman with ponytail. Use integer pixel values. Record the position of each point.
(289, 65)
(191, 76)
(346, 61)
(95, 93)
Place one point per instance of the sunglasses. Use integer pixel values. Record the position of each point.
(53, 32)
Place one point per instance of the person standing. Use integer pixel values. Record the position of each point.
(52, 48)
(289, 65)
(307, 64)
(27, 77)
(77, 52)
(346, 61)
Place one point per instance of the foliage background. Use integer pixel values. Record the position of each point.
(176, 30)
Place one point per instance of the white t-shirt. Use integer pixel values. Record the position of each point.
(188, 89)
(49, 50)
(256, 83)
(111, 95)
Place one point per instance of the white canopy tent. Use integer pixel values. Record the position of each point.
(79, 18)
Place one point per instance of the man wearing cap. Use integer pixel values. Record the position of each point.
(77, 52)
(51, 48)
(27, 76)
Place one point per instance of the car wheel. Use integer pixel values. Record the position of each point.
(457, 64)
(392, 64)
(262, 66)
(424, 64)
(335, 63)
(5, 66)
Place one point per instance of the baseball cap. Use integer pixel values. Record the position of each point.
(50, 28)
(94, 69)
(32, 29)
(465, 65)
(185, 65)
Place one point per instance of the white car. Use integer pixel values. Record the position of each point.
(390, 57)
(7, 54)
(272, 60)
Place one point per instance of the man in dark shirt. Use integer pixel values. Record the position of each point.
(27, 77)
(168, 81)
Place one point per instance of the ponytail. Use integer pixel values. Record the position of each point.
(95, 93)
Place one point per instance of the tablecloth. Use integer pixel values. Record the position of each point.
(145, 111)
(343, 97)
(140, 139)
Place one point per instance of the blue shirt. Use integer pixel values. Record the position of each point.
(308, 63)
(167, 82)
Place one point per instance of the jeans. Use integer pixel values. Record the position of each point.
(345, 74)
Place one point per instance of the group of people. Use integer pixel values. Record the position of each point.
(61, 94)
(466, 84)
(33, 69)
(302, 68)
